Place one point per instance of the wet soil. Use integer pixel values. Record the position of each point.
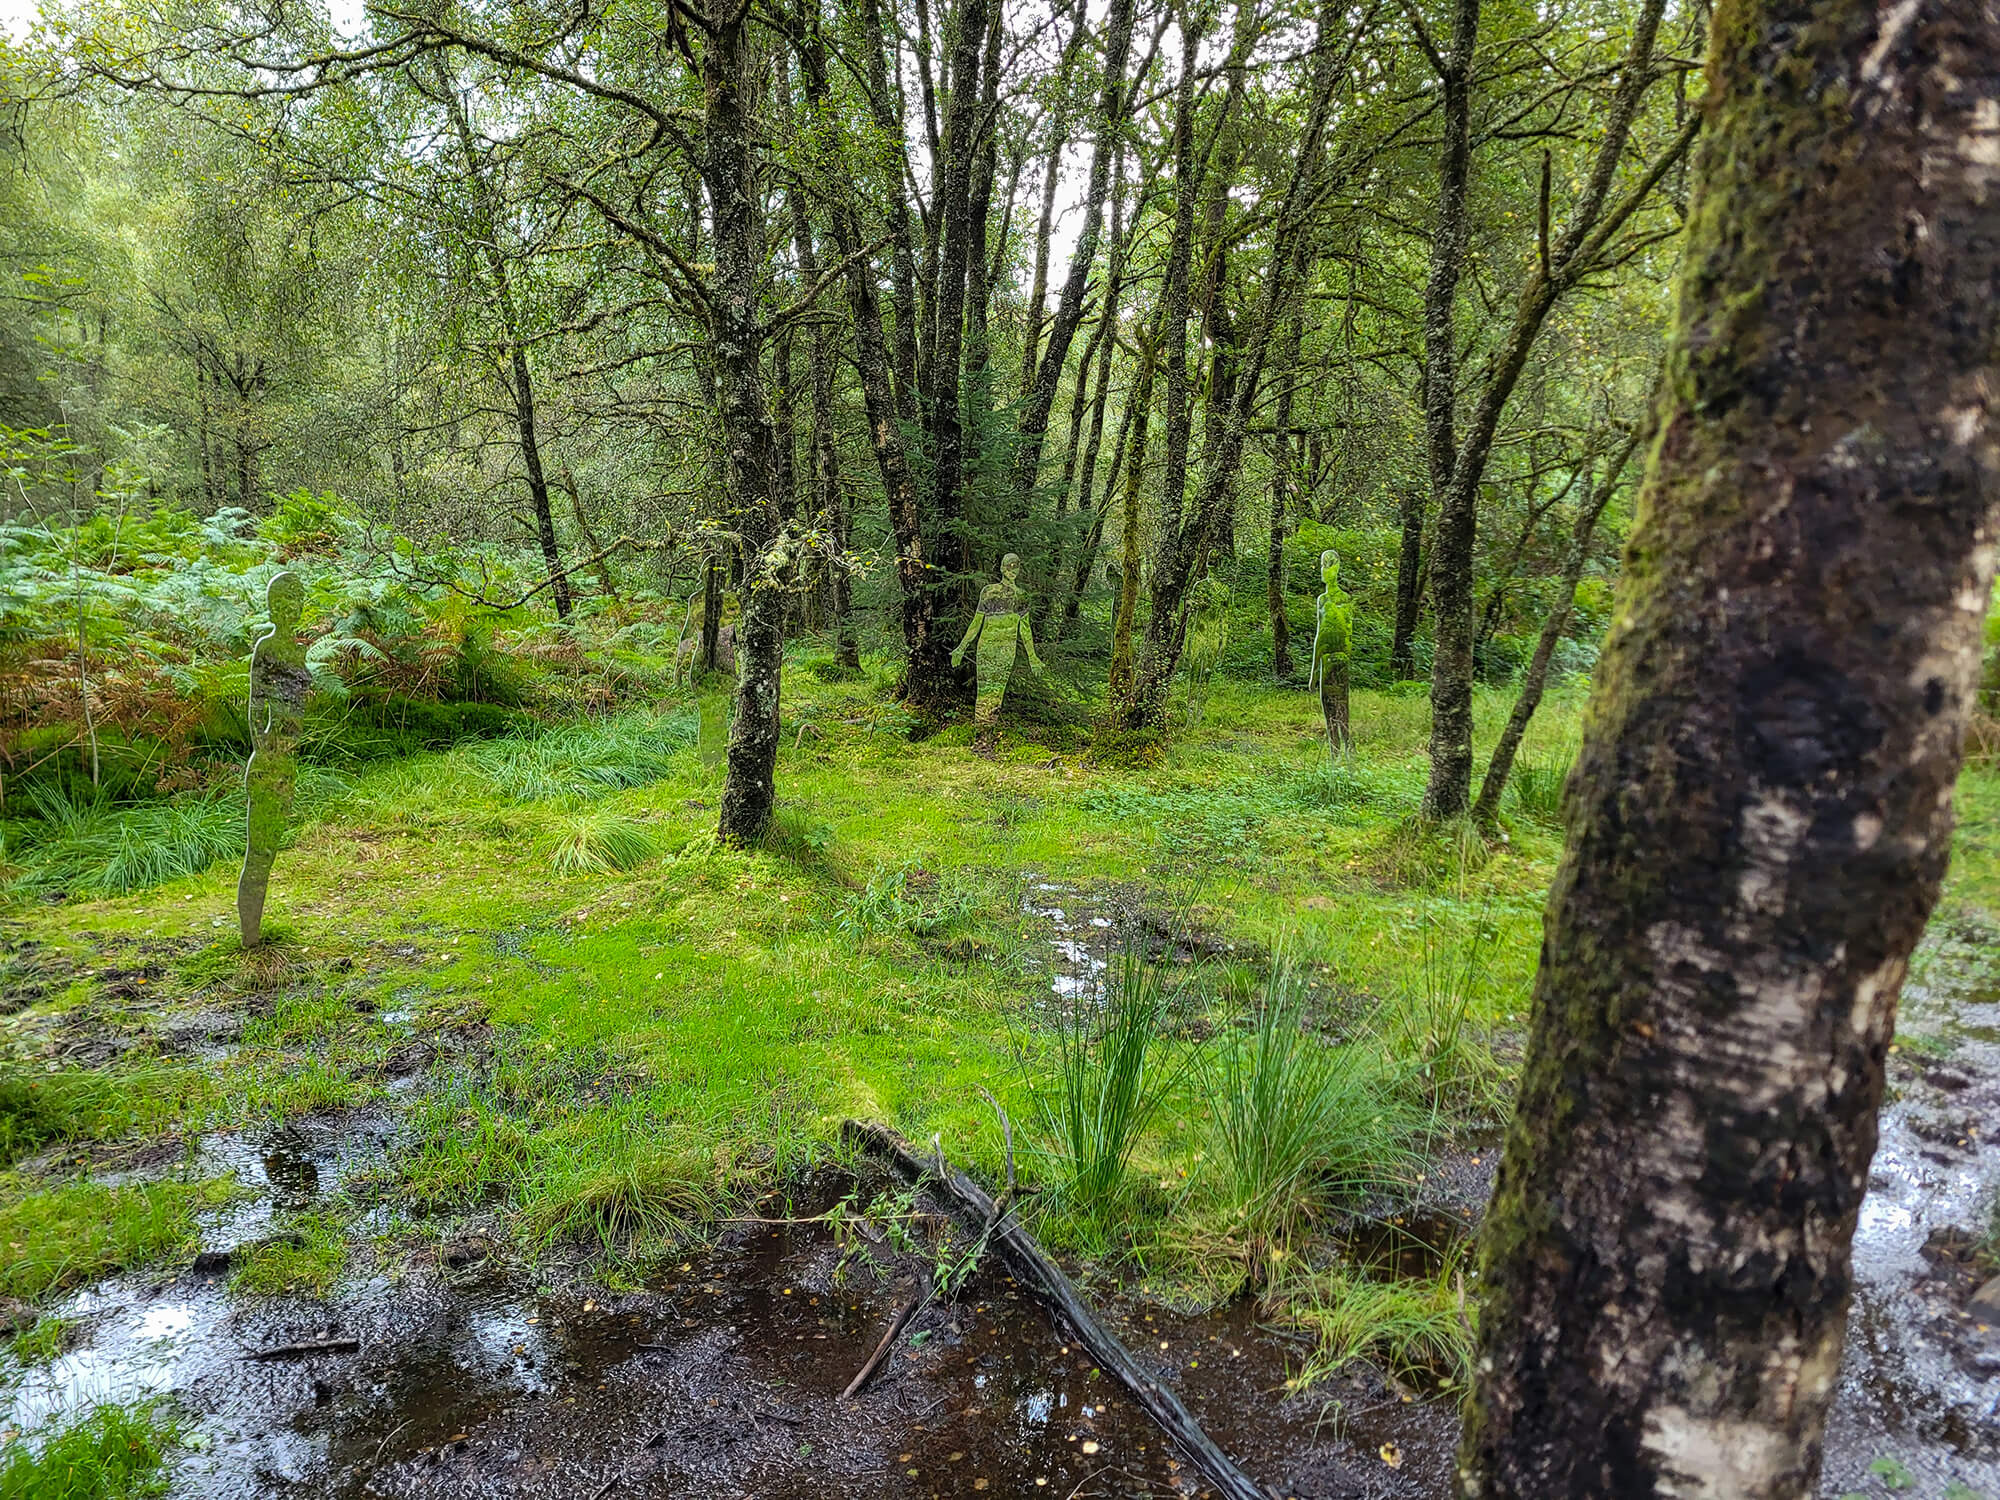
(721, 1378)
(1920, 1380)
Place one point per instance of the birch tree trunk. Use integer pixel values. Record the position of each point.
(1762, 810)
(738, 337)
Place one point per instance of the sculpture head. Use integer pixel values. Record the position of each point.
(1329, 567)
(286, 596)
(1010, 567)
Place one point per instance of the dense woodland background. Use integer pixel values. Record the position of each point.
(467, 307)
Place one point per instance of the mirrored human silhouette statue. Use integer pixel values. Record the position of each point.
(1000, 628)
(279, 678)
(1207, 640)
(1332, 641)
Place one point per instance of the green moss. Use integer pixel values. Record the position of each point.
(306, 1256)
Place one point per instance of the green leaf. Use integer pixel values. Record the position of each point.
(1892, 1472)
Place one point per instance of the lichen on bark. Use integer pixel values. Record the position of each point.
(1760, 816)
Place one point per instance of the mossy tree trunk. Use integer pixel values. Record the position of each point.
(1585, 244)
(1761, 813)
(738, 337)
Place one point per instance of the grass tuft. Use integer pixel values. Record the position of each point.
(1538, 789)
(1299, 1122)
(67, 1236)
(92, 846)
(595, 841)
(1421, 1327)
(585, 759)
(113, 1453)
(306, 1257)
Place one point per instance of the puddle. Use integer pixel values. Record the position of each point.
(1080, 945)
(1918, 1382)
(721, 1379)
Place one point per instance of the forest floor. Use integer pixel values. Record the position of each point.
(530, 1067)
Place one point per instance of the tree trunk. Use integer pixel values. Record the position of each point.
(1166, 627)
(902, 250)
(1593, 221)
(1138, 410)
(1501, 766)
(927, 656)
(1284, 476)
(1440, 390)
(749, 788)
(1040, 398)
(711, 613)
(538, 485)
(1761, 813)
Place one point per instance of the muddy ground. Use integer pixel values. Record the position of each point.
(475, 1376)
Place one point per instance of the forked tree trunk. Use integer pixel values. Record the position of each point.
(1536, 680)
(1762, 810)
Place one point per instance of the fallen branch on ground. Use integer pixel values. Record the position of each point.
(298, 1351)
(1044, 1280)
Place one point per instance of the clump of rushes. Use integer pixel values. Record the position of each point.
(1105, 1088)
(1299, 1121)
(112, 1453)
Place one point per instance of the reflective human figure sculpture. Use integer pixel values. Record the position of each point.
(279, 678)
(1333, 636)
(1207, 640)
(1000, 626)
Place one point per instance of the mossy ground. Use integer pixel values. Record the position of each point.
(608, 1057)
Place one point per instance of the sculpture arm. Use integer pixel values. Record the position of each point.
(1028, 641)
(1319, 625)
(971, 634)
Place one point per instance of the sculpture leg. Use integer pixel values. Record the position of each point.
(1333, 704)
(251, 887)
(268, 782)
(996, 663)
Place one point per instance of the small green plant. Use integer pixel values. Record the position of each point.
(595, 841)
(46, 1340)
(113, 1453)
(1420, 1327)
(908, 898)
(1298, 1121)
(306, 1257)
(1106, 1086)
(1429, 1027)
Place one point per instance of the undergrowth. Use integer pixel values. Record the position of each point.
(110, 1453)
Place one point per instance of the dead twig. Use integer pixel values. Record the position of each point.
(299, 1351)
(1036, 1274)
(897, 1324)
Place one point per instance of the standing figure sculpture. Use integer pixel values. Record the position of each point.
(1332, 640)
(278, 681)
(1000, 625)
